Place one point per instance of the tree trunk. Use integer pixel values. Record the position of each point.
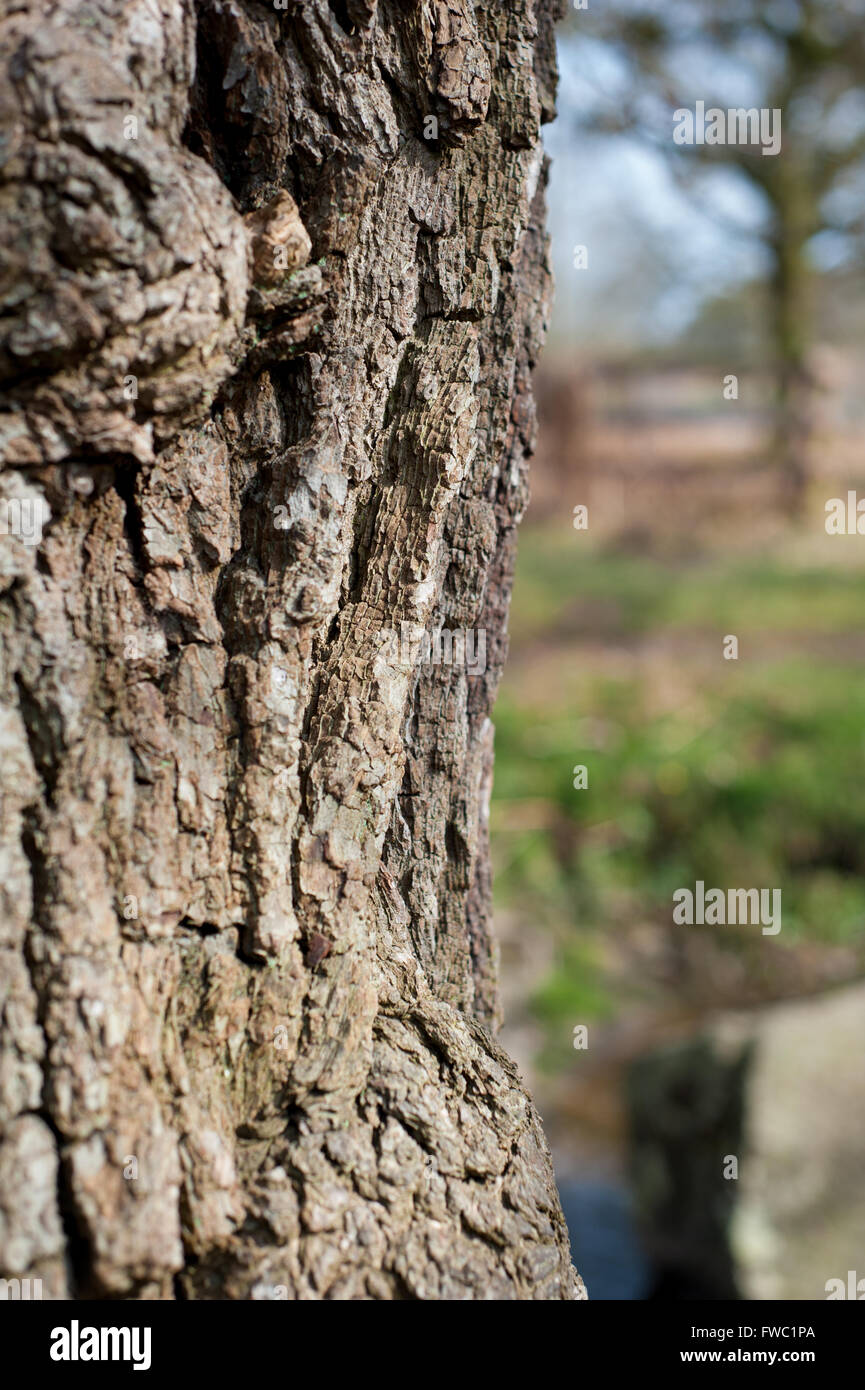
(274, 281)
(788, 185)
(794, 383)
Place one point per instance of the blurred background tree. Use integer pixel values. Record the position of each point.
(802, 57)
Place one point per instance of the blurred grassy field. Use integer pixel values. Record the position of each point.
(746, 773)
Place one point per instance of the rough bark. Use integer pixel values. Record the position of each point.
(267, 355)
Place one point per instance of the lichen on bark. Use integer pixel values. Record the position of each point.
(274, 280)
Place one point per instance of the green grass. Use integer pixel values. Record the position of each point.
(558, 571)
(752, 774)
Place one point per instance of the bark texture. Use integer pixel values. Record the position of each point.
(273, 281)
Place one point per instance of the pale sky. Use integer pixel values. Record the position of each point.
(654, 253)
